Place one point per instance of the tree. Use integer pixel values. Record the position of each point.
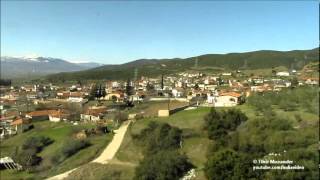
(227, 164)
(294, 82)
(114, 98)
(273, 71)
(219, 123)
(27, 154)
(196, 86)
(129, 88)
(158, 137)
(93, 92)
(149, 87)
(79, 82)
(162, 82)
(120, 117)
(164, 165)
(101, 92)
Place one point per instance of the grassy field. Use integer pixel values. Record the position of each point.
(99, 172)
(58, 132)
(195, 142)
(151, 108)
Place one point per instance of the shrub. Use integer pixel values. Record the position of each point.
(72, 146)
(227, 164)
(139, 116)
(28, 158)
(36, 143)
(164, 165)
(27, 154)
(69, 148)
(159, 136)
(120, 117)
(219, 123)
(27, 127)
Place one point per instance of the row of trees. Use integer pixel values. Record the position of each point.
(305, 98)
(97, 92)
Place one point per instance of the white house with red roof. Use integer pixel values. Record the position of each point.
(226, 99)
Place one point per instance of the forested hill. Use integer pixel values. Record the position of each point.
(232, 61)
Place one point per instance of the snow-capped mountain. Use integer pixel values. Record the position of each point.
(14, 67)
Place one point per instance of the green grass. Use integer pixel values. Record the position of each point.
(14, 175)
(195, 142)
(195, 145)
(150, 109)
(58, 132)
(98, 171)
(309, 118)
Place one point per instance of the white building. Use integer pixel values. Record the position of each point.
(283, 73)
(227, 99)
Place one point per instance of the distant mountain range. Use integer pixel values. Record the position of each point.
(210, 62)
(24, 67)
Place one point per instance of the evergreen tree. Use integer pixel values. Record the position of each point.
(162, 82)
(150, 87)
(93, 92)
(103, 92)
(196, 86)
(294, 82)
(129, 88)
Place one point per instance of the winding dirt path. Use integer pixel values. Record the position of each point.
(107, 154)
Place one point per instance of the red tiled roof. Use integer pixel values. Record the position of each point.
(17, 122)
(41, 113)
(233, 94)
(95, 111)
(76, 94)
(60, 113)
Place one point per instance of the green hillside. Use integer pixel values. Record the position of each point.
(154, 67)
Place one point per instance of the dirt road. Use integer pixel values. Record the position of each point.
(107, 154)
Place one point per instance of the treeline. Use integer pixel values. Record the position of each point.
(5, 82)
(260, 59)
(162, 159)
(231, 61)
(305, 98)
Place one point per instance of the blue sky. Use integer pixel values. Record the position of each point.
(117, 32)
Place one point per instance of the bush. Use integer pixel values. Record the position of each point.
(36, 143)
(139, 116)
(227, 164)
(27, 154)
(159, 136)
(120, 117)
(219, 123)
(69, 148)
(28, 158)
(72, 146)
(164, 165)
(27, 127)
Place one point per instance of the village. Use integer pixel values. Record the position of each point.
(100, 103)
